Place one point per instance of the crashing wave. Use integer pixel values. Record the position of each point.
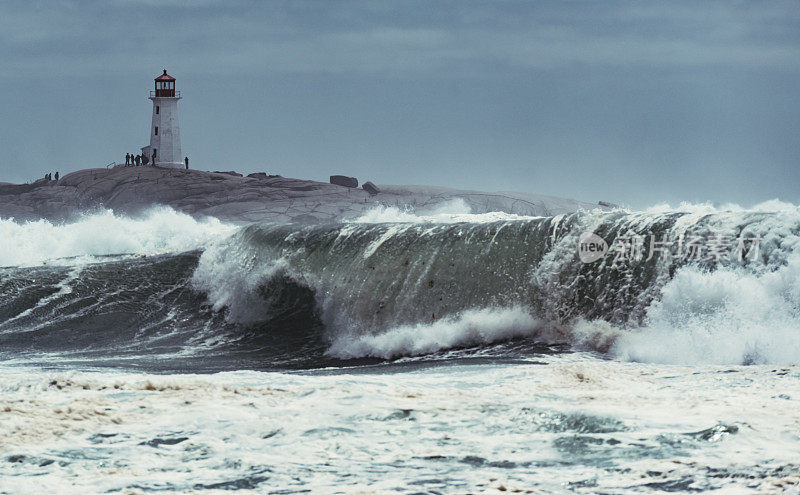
(158, 230)
(405, 288)
(404, 283)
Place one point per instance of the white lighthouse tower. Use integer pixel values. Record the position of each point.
(165, 133)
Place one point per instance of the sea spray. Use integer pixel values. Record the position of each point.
(452, 211)
(726, 316)
(471, 327)
(158, 230)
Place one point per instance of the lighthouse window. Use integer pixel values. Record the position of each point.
(157, 107)
(156, 130)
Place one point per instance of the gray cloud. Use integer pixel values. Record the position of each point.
(629, 101)
(303, 37)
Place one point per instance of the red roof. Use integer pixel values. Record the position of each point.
(165, 77)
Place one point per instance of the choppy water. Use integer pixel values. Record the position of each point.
(452, 353)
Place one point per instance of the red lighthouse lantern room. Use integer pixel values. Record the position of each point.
(165, 85)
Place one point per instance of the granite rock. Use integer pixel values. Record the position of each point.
(343, 180)
(371, 188)
(242, 199)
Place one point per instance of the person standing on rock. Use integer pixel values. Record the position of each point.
(56, 174)
(186, 161)
(137, 160)
(127, 159)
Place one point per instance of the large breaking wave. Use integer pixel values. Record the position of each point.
(158, 230)
(398, 283)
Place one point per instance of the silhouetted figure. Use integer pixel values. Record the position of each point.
(186, 161)
(154, 157)
(127, 159)
(56, 174)
(45, 176)
(137, 160)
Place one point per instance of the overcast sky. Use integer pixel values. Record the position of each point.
(630, 102)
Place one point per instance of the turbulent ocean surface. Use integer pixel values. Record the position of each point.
(402, 353)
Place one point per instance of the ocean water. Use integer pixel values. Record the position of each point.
(403, 352)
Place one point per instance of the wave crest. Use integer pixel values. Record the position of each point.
(453, 211)
(158, 230)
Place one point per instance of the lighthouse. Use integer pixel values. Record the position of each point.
(165, 133)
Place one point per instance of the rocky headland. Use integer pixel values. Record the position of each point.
(234, 198)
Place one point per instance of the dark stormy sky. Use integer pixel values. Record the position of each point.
(631, 102)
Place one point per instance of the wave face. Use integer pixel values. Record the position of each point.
(395, 289)
(410, 285)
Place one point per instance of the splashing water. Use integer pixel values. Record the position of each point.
(159, 230)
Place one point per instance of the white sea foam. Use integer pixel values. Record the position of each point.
(578, 418)
(731, 315)
(453, 211)
(728, 316)
(771, 206)
(158, 230)
(477, 326)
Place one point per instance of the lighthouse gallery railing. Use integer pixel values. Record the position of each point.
(153, 94)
